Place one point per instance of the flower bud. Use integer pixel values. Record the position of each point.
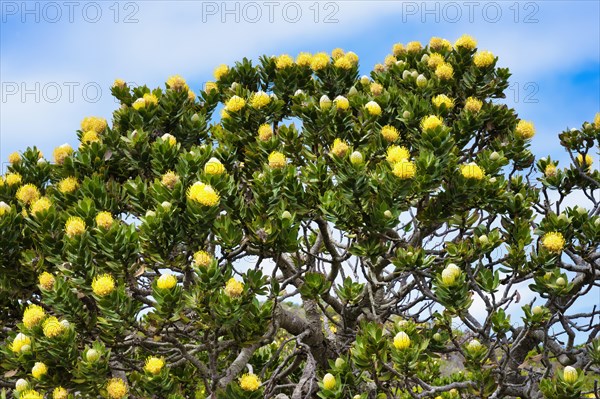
(150, 214)
(561, 282)
(325, 102)
(92, 355)
(364, 80)
(406, 114)
(25, 348)
(537, 310)
(21, 385)
(339, 362)
(581, 210)
(414, 74)
(474, 346)
(286, 215)
(421, 81)
(401, 340)
(388, 214)
(352, 92)
(405, 74)
(329, 381)
(448, 276)
(483, 239)
(65, 324)
(570, 374)
(425, 58)
(356, 158)
(494, 156)
(437, 337)
(195, 118)
(234, 85)
(166, 205)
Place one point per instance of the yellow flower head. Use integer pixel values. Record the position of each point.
(166, 281)
(444, 71)
(438, 44)
(466, 42)
(376, 89)
(483, 59)
(39, 369)
(191, 95)
(319, 61)
(397, 153)
(472, 171)
(550, 170)
(390, 133)
(202, 258)
(525, 130)
(68, 185)
(259, 99)
(116, 388)
(234, 288)
(120, 83)
(214, 167)
(304, 59)
(103, 285)
(414, 47)
(104, 219)
(169, 138)
(28, 194)
(341, 102)
(210, 86)
(589, 160)
(379, 68)
(46, 281)
(154, 365)
(329, 381)
(62, 152)
(60, 393)
(74, 226)
(265, 132)
(235, 104)
(431, 122)
(597, 121)
(221, 71)
(352, 57)
(169, 179)
(553, 241)
(373, 108)
(14, 158)
(19, 342)
(284, 61)
(398, 49)
(177, 83)
(337, 53)
(435, 59)
(339, 148)
(52, 327)
(40, 205)
(249, 382)
(390, 60)
(31, 394)
(343, 63)
(33, 315)
(570, 375)
(401, 340)
(4, 207)
(204, 194)
(94, 123)
(473, 105)
(12, 179)
(442, 99)
(404, 169)
(277, 160)
(89, 137)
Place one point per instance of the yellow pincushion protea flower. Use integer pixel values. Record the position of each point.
(249, 382)
(33, 315)
(444, 71)
(473, 105)
(379, 68)
(442, 99)
(62, 152)
(210, 86)
(373, 108)
(525, 130)
(169, 179)
(31, 394)
(397, 153)
(41, 205)
(38, 370)
(28, 193)
(376, 89)
(352, 57)
(60, 393)
(104, 219)
(414, 47)
(341, 102)
(89, 137)
(466, 42)
(472, 171)
(214, 167)
(68, 185)
(259, 100)
(570, 374)
(438, 44)
(116, 388)
(166, 281)
(220, 71)
(277, 160)
(339, 148)
(234, 288)
(12, 179)
(191, 95)
(597, 121)
(154, 365)
(119, 83)
(4, 207)
(319, 61)
(147, 99)
(337, 53)
(177, 83)
(202, 258)
(46, 281)
(553, 241)
(431, 122)
(550, 170)
(401, 340)
(52, 327)
(304, 59)
(204, 194)
(14, 158)
(398, 49)
(483, 59)
(390, 60)
(74, 226)
(94, 123)
(329, 381)
(435, 59)
(404, 169)
(103, 285)
(235, 104)
(589, 160)
(390, 133)
(19, 342)
(265, 132)
(284, 61)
